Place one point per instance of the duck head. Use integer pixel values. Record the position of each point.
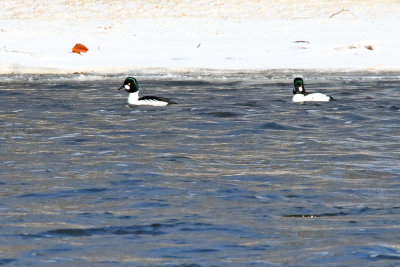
(130, 85)
(299, 86)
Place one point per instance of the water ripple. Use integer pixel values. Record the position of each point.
(153, 229)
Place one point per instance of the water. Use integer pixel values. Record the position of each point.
(234, 175)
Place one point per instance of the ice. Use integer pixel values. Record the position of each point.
(131, 36)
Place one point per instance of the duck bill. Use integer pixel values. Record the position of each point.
(122, 87)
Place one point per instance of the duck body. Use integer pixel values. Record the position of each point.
(300, 94)
(134, 99)
(131, 86)
(314, 97)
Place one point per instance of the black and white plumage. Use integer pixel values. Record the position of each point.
(132, 87)
(300, 94)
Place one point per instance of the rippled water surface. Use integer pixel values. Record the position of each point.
(235, 174)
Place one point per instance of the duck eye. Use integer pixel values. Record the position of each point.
(129, 84)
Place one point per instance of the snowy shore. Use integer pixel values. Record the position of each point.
(124, 36)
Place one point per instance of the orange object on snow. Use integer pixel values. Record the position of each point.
(79, 48)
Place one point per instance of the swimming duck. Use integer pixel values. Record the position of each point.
(300, 94)
(132, 87)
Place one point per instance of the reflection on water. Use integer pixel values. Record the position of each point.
(235, 174)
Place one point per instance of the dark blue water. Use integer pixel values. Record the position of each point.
(234, 175)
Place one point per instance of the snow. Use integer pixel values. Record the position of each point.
(178, 35)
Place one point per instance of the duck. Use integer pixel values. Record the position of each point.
(300, 94)
(132, 87)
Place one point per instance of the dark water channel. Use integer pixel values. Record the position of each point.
(234, 175)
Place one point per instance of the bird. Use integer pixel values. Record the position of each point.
(132, 87)
(300, 94)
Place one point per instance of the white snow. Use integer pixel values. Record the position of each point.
(129, 35)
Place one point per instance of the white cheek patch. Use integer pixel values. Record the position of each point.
(127, 87)
(301, 89)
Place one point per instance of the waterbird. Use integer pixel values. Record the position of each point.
(132, 87)
(300, 94)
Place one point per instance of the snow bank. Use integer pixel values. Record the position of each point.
(126, 36)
